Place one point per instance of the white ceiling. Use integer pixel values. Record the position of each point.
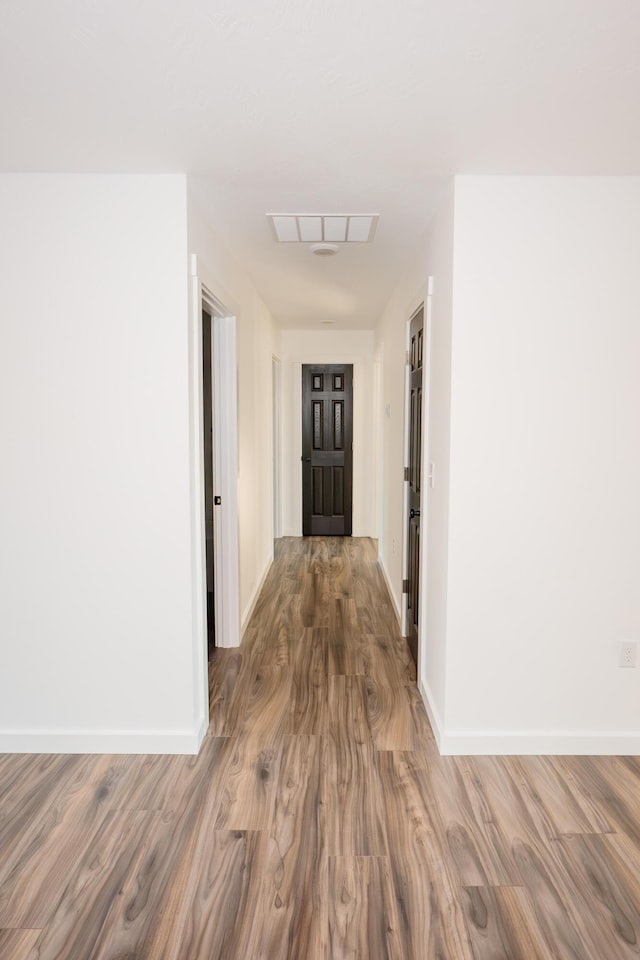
(321, 105)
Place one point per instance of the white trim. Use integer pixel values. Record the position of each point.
(225, 457)
(539, 743)
(404, 614)
(203, 725)
(246, 617)
(387, 581)
(526, 743)
(432, 712)
(425, 493)
(226, 481)
(103, 741)
(196, 469)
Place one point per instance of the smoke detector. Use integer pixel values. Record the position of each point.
(324, 249)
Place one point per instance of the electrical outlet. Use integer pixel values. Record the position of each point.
(627, 653)
(393, 546)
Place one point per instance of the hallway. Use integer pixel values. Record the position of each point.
(318, 820)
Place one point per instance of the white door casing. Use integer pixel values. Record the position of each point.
(225, 471)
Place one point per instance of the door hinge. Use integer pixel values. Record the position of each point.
(405, 586)
(407, 474)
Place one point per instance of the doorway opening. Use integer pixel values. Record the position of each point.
(213, 454)
(418, 476)
(277, 438)
(224, 467)
(207, 423)
(413, 477)
(215, 465)
(327, 449)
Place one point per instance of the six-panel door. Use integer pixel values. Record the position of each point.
(327, 432)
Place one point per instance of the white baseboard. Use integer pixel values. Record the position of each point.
(390, 591)
(502, 743)
(201, 728)
(432, 712)
(244, 622)
(474, 743)
(103, 741)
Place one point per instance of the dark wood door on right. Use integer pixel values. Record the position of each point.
(416, 353)
(327, 458)
(207, 416)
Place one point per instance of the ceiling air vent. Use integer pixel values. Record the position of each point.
(324, 230)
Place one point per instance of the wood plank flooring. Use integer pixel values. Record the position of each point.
(319, 821)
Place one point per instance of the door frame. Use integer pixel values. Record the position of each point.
(423, 300)
(363, 507)
(225, 457)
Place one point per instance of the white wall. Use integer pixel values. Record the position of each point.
(545, 466)
(320, 346)
(95, 612)
(532, 558)
(257, 340)
(435, 260)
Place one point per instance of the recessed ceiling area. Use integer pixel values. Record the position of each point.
(275, 107)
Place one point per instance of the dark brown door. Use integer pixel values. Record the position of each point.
(207, 415)
(416, 352)
(327, 432)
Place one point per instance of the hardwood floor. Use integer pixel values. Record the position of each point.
(319, 821)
